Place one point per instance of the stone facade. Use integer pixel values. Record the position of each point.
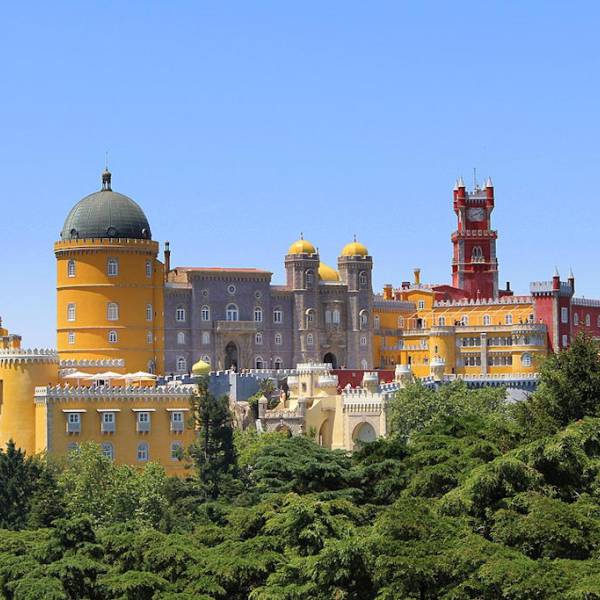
(237, 318)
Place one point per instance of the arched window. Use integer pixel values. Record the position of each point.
(149, 312)
(363, 318)
(142, 452)
(112, 311)
(363, 340)
(150, 366)
(148, 269)
(108, 449)
(181, 364)
(376, 321)
(327, 316)
(588, 320)
(364, 365)
(441, 321)
(278, 364)
(363, 279)
(487, 320)
(335, 317)
(112, 337)
(277, 315)
(149, 337)
(309, 278)
(477, 254)
(206, 337)
(575, 318)
(112, 268)
(71, 312)
(508, 319)
(401, 322)
(278, 339)
(180, 314)
(176, 450)
(310, 317)
(259, 362)
(310, 340)
(232, 313)
(181, 337)
(258, 338)
(258, 314)
(71, 268)
(71, 337)
(526, 359)
(598, 321)
(205, 313)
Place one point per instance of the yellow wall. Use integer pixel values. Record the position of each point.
(91, 289)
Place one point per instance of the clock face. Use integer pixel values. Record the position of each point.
(476, 214)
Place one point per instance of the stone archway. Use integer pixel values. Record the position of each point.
(363, 433)
(231, 356)
(325, 437)
(331, 359)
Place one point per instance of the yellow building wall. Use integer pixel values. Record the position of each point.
(125, 439)
(18, 379)
(91, 289)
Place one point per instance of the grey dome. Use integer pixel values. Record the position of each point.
(106, 214)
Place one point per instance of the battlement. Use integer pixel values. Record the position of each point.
(105, 392)
(547, 287)
(92, 363)
(589, 302)
(28, 355)
(99, 243)
(504, 300)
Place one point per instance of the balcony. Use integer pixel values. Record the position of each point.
(142, 426)
(73, 427)
(107, 427)
(177, 426)
(236, 326)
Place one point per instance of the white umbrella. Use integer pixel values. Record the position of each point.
(108, 376)
(139, 375)
(77, 375)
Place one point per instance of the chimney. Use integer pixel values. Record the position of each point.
(508, 286)
(167, 259)
(387, 292)
(417, 273)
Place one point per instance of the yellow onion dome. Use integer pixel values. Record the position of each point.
(302, 246)
(355, 249)
(201, 368)
(327, 273)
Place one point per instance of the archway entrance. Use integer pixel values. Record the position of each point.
(364, 433)
(231, 356)
(331, 359)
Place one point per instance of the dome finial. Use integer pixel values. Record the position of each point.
(106, 180)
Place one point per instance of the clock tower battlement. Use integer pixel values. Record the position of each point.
(474, 262)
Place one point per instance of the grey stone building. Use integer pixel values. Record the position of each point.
(237, 318)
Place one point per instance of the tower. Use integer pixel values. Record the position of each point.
(109, 285)
(355, 266)
(474, 262)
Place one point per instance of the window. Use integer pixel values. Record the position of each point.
(363, 318)
(588, 320)
(277, 316)
(575, 318)
(71, 268)
(441, 321)
(71, 337)
(149, 312)
(149, 337)
(487, 320)
(401, 322)
(181, 364)
(180, 337)
(180, 314)
(148, 269)
(142, 451)
(564, 314)
(258, 314)
(177, 424)
(205, 313)
(363, 340)
(565, 341)
(73, 423)
(598, 321)
(310, 317)
(335, 317)
(231, 289)
(112, 267)
(363, 280)
(328, 316)
(376, 321)
(112, 337)
(112, 311)
(205, 337)
(508, 319)
(278, 339)
(143, 422)
(108, 450)
(259, 362)
(421, 304)
(70, 312)
(310, 339)
(232, 313)
(477, 254)
(258, 339)
(464, 321)
(310, 278)
(526, 359)
(176, 450)
(278, 364)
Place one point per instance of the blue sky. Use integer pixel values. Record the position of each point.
(236, 125)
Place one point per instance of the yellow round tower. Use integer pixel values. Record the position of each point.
(109, 286)
(21, 371)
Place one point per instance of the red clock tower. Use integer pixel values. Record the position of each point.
(474, 262)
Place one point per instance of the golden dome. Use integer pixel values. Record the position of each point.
(201, 368)
(327, 273)
(302, 246)
(355, 249)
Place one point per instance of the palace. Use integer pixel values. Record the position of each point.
(133, 332)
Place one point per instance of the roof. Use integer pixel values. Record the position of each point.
(223, 269)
